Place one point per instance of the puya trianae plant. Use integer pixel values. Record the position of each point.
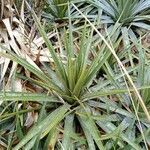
(56, 9)
(80, 105)
(132, 14)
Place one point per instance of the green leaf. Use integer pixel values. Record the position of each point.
(89, 137)
(111, 127)
(59, 64)
(67, 130)
(30, 67)
(111, 107)
(90, 125)
(141, 25)
(19, 128)
(30, 144)
(52, 138)
(103, 93)
(51, 120)
(21, 96)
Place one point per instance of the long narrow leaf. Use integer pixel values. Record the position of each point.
(51, 120)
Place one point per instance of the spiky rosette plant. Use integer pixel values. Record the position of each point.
(132, 17)
(132, 14)
(77, 109)
(56, 9)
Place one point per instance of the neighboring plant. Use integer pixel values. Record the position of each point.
(132, 14)
(56, 9)
(132, 17)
